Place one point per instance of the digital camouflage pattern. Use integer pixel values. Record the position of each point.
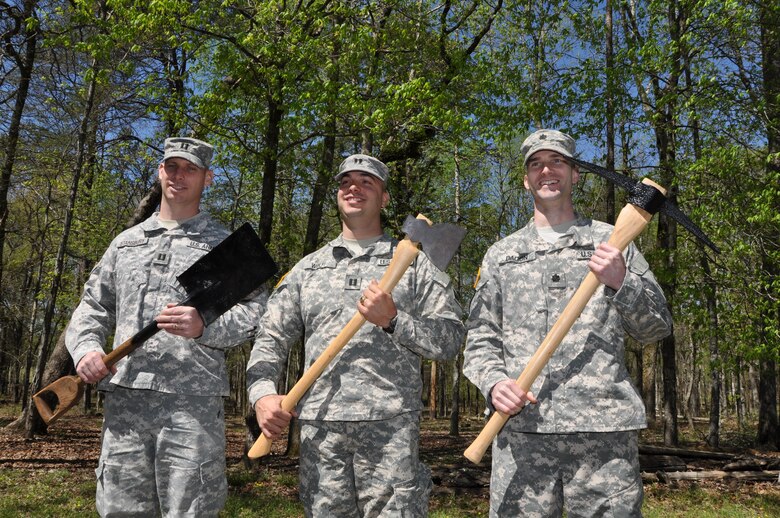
(550, 140)
(366, 403)
(161, 447)
(374, 464)
(376, 375)
(525, 284)
(131, 284)
(164, 438)
(582, 430)
(600, 474)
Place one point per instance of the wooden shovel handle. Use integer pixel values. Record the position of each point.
(631, 222)
(68, 388)
(404, 255)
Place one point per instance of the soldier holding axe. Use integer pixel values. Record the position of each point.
(576, 441)
(360, 410)
(163, 443)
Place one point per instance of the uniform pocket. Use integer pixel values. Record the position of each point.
(193, 489)
(121, 490)
(410, 498)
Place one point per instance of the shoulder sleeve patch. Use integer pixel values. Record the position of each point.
(281, 280)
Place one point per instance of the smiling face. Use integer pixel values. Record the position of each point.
(361, 197)
(182, 185)
(550, 178)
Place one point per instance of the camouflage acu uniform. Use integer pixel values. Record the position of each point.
(370, 395)
(163, 430)
(524, 285)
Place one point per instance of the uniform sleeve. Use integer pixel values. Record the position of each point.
(435, 330)
(484, 363)
(641, 301)
(281, 325)
(237, 325)
(94, 319)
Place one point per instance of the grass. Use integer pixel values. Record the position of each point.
(694, 500)
(46, 493)
(61, 493)
(272, 492)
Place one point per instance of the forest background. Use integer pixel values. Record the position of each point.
(686, 92)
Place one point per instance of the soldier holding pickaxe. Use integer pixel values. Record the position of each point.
(359, 400)
(576, 441)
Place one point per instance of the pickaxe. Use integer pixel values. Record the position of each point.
(645, 199)
(214, 283)
(439, 242)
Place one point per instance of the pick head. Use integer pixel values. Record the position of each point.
(648, 198)
(439, 242)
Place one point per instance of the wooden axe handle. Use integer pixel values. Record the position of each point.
(631, 222)
(404, 255)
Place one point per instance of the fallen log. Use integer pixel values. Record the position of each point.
(653, 463)
(747, 476)
(682, 452)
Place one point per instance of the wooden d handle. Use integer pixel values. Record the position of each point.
(404, 255)
(631, 222)
(68, 389)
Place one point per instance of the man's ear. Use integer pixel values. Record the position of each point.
(525, 182)
(385, 198)
(209, 178)
(575, 174)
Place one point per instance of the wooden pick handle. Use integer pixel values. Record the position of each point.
(631, 221)
(404, 255)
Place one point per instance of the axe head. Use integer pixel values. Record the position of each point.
(439, 241)
(228, 273)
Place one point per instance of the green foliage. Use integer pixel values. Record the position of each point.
(443, 92)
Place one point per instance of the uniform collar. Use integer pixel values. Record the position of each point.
(381, 247)
(194, 226)
(579, 235)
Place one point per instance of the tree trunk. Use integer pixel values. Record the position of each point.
(649, 355)
(713, 433)
(610, 115)
(24, 60)
(769, 19)
(457, 368)
(767, 410)
(432, 393)
(270, 164)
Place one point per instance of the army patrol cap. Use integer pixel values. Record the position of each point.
(550, 140)
(192, 149)
(364, 163)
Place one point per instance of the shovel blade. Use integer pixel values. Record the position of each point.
(228, 273)
(63, 394)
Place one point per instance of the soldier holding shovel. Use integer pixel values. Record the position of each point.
(163, 443)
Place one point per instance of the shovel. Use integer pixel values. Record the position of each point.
(214, 283)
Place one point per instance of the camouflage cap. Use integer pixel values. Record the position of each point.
(192, 149)
(364, 163)
(550, 140)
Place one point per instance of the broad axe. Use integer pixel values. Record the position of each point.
(645, 199)
(214, 283)
(439, 242)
